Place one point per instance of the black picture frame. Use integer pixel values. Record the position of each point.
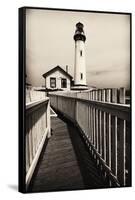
(22, 93)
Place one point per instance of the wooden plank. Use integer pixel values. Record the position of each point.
(87, 118)
(91, 127)
(122, 153)
(96, 121)
(122, 97)
(36, 132)
(30, 140)
(33, 134)
(27, 95)
(104, 128)
(48, 122)
(89, 135)
(114, 146)
(122, 145)
(108, 130)
(114, 135)
(27, 152)
(100, 123)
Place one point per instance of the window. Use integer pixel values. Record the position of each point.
(53, 82)
(64, 83)
(81, 76)
(81, 53)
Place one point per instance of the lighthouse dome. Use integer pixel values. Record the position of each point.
(79, 32)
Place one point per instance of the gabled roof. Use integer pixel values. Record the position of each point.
(55, 69)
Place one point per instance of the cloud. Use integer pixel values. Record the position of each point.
(99, 72)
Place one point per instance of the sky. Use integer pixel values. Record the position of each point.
(49, 42)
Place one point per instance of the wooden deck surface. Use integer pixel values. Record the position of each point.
(65, 163)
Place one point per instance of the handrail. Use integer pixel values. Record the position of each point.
(121, 110)
(36, 103)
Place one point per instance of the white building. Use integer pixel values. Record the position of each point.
(80, 66)
(57, 79)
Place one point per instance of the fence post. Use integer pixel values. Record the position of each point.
(114, 134)
(48, 119)
(89, 116)
(96, 122)
(91, 119)
(100, 123)
(122, 98)
(104, 128)
(108, 131)
(122, 144)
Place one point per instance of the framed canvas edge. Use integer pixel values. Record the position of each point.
(21, 83)
(21, 92)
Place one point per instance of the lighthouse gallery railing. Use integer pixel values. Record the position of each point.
(105, 126)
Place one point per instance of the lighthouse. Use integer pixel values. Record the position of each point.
(79, 65)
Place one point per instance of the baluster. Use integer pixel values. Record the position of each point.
(100, 123)
(32, 134)
(27, 147)
(87, 118)
(94, 124)
(108, 131)
(38, 121)
(122, 96)
(35, 131)
(96, 121)
(114, 135)
(122, 144)
(88, 131)
(104, 128)
(30, 139)
(91, 120)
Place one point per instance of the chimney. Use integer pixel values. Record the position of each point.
(67, 68)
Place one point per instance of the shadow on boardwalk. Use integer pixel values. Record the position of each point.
(65, 163)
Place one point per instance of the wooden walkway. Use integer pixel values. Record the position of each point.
(65, 163)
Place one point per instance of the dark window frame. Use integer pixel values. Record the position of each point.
(81, 76)
(62, 84)
(54, 79)
(80, 52)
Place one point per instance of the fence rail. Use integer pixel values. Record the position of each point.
(37, 130)
(105, 124)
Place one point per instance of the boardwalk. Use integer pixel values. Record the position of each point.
(90, 142)
(65, 163)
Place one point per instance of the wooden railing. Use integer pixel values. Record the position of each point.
(105, 125)
(34, 95)
(37, 130)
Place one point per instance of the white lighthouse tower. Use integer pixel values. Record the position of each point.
(79, 67)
